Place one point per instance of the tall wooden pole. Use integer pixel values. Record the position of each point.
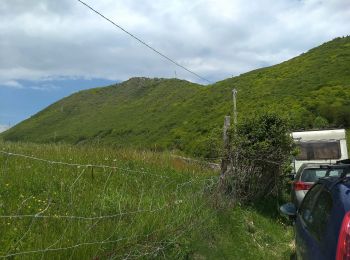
(234, 94)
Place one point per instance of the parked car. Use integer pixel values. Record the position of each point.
(322, 222)
(306, 176)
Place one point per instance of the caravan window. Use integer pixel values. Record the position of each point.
(319, 150)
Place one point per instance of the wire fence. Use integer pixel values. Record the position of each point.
(74, 210)
(109, 206)
(80, 165)
(213, 161)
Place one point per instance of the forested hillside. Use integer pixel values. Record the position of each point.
(312, 90)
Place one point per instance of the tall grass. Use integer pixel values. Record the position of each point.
(151, 205)
(146, 207)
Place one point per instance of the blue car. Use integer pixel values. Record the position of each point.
(322, 223)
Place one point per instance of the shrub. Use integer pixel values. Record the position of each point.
(260, 151)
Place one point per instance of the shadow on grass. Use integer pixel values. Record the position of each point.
(269, 207)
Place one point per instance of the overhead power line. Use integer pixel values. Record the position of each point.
(144, 43)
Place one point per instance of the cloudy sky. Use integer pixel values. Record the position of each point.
(50, 48)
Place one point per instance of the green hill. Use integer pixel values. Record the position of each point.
(313, 90)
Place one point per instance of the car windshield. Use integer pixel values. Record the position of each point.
(312, 175)
(335, 172)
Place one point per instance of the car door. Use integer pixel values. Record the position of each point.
(311, 224)
(304, 241)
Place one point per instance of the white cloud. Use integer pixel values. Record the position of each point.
(3, 128)
(12, 84)
(217, 39)
(45, 87)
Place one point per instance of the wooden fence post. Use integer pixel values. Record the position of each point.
(225, 161)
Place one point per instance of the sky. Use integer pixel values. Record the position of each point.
(50, 49)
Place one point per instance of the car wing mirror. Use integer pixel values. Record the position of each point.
(288, 209)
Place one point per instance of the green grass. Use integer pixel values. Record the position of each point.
(156, 200)
(158, 207)
(312, 90)
(245, 233)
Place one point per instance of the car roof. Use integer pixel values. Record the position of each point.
(342, 186)
(330, 181)
(309, 165)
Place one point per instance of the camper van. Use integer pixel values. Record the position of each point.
(322, 146)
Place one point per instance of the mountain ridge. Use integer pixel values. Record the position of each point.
(312, 90)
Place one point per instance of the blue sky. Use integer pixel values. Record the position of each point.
(28, 96)
(50, 49)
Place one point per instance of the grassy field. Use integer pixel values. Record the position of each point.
(145, 205)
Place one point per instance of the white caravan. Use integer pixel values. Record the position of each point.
(322, 146)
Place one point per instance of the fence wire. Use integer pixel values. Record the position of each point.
(171, 192)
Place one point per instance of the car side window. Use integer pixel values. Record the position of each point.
(307, 205)
(321, 212)
(316, 209)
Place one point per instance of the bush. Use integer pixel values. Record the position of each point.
(320, 122)
(260, 152)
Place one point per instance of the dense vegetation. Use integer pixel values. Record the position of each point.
(260, 152)
(312, 90)
(150, 205)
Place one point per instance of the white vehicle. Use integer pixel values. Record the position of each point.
(322, 146)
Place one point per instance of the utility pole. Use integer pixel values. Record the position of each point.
(233, 150)
(234, 94)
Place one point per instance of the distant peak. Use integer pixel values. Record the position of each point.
(139, 79)
(144, 81)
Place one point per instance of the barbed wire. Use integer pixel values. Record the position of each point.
(166, 205)
(173, 241)
(82, 217)
(101, 166)
(262, 160)
(126, 169)
(104, 241)
(207, 160)
(177, 201)
(73, 246)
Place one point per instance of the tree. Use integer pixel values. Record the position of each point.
(320, 122)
